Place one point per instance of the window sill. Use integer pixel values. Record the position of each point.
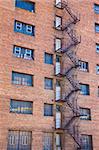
(48, 89)
(23, 58)
(48, 116)
(22, 85)
(20, 113)
(18, 8)
(83, 70)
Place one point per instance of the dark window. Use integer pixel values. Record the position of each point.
(98, 92)
(84, 89)
(48, 110)
(48, 83)
(83, 65)
(85, 114)
(22, 52)
(97, 69)
(48, 58)
(22, 79)
(86, 142)
(97, 48)
(58, 58)
(19, 140)
(24, 28)
(97, 27)
(47, 141)
(30, 6)
(96, 8)
(21, 107)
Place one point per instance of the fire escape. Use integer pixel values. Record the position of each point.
(70, 98)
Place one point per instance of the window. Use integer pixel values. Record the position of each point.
(83, 65)
(21, 107)
(85, 114)
(97, 27)
(97, 48)
(30, 6)
(96, 8)
(47, 141)
(58, 3)
(84, 89)
(19, 140)
(58, 44)
(24, 28)
(58, 141)
(58, 22)
(58, 90)
(97, 69)
(86, 142)
(58, 117)
(48, 83)
(23, 52)
(22, 79)
(48, 58)
(48, 110)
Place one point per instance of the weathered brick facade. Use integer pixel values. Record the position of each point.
(43, 41)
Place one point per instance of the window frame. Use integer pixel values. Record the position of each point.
(46, 87)
(97, 27)
(47, 140)
(24, 28)
(57, 4)
(95, 8)
(50, 62)
(87, 92)
(19, 135)
(97, 48)
(97, 69)
(24, 8)
(21, 79)
(49, 114)
(58, 20)
(87, 114)
(21, 101)
(89, 142)
(59, 39)
(83, 66)
(23, 52)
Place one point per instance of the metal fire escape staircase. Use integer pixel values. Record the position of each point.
(75, 87)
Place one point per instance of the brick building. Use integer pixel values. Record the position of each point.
(49, 89)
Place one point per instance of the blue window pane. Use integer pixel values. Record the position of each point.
(30, 6)
(97, 48)
(48, 58)
(48, 83)
(21, 107)
(22, 52)
(96, 8)
(22, 79)
(48, 110)
(84, 89)
(24, 28)
(97, 27)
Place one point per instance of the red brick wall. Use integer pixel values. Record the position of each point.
(43, 19)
